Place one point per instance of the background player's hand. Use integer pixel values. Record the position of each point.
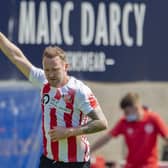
(58, 133)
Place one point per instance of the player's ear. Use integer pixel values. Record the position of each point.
(66, 67)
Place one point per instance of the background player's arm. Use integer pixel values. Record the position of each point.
(161, 127)
(118, 129)
(100, 142)
(166, 139)
(15, 55)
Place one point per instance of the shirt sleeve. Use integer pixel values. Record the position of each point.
(161, 126)
(86, 100)
(37, 76)
(117, 129)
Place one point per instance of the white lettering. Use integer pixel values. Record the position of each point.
(42, 27)
(55, 19)
(87, 23)
(128, 40)
(27, 23)
(139, 11)
(114, 20)
(109, 24)
(101, 28)
(69, 6)
(87, 61)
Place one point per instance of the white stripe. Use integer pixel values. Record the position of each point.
(75, 118)
(47, 121)
(63, 150)
(87, 147)
(80, 146)
(60, 117)
(63, 145)
(47, 128)
(80, 149)
(88, 150)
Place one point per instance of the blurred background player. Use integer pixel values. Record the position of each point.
(140, 128)
(66, 102)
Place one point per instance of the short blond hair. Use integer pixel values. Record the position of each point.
(55, 51)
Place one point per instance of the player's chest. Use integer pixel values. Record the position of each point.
(62, 101)
(140, 129)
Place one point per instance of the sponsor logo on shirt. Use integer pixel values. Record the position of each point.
(45, 99)
(67, 98)
(52, 102)
(149, 128)
(58, 105)
(130, 131)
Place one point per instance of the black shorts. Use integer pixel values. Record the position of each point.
(47, 163)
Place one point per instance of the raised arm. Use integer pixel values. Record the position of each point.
(15, 55)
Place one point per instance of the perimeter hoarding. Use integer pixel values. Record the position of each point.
(20, 126)
(107, 40)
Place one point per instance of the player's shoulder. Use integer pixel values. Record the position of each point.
(77, 84)
(153, 115)
(121, 123)
(122, 120)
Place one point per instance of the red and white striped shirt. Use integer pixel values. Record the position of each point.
(67, 107)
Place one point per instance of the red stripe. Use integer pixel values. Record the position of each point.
(53, 123)
(46, 88)
(86, 149)
(93, 101)
(80, 119)
(43, 130)
(58, 94)
(72, 144)
(72, 149)
(54, 145)
(85, 119)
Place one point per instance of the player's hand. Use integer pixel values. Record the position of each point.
(58, 133)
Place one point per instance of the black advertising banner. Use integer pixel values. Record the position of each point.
(106, 40)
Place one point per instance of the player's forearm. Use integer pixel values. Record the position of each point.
(9, 49)
(92, 127)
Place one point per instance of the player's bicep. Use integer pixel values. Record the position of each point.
(97, 114)
(161, 126)
(96, 123)
(86, 101)
(15, 55)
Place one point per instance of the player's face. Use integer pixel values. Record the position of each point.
(55, 70)
(132, 113)
(130, 110)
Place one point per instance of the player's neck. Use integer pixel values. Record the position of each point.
(141, 114)
(63, 82)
